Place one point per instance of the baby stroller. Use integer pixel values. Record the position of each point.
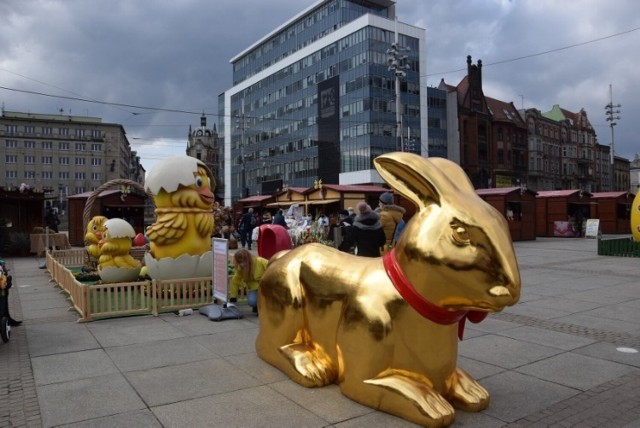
(6, 322)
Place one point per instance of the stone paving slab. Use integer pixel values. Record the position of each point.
(554, 359)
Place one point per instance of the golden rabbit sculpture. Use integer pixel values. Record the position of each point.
(386, 329)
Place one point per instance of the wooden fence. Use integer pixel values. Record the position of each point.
(124, 299)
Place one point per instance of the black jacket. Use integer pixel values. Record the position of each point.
(279, 219)
(366, 235)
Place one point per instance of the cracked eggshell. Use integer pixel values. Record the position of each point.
(118, 228)
(185, 266)
(169, 173)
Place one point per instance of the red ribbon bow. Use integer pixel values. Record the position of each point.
(420, 304)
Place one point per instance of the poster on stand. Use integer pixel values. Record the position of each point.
(220, 274)
(593, 228)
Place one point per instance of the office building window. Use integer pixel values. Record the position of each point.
(64, 146)
(11, 144)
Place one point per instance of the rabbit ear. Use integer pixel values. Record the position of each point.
(422, 180)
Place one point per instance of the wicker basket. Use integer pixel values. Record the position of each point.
(88, 207)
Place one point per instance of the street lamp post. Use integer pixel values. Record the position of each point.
(242, 125)
(612, 113)
(398, 64)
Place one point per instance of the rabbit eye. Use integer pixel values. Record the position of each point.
(460, 235)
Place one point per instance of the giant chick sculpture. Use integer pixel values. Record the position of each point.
(180, 239)
(635, 218)
(115, 263)
(386, 329)
(92, 238)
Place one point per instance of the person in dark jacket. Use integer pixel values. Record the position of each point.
(366, 234)
(279, 219)
(51, 220)
(247, 223)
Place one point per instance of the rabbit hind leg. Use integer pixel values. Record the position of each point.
(309, 364)
(404, 394)
(466, 393)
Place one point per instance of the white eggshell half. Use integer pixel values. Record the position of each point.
(119, 228)
(169, 173)
(185, 266)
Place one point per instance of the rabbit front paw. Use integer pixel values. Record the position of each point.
(467, 394)
(311, 363)
(429, 407)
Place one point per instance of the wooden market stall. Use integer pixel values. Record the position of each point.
(518, 206)
(259, 203)
(613, 209)
(109, 203)
(21, 211)
(288, 197)
(332, 198)
(563, 212)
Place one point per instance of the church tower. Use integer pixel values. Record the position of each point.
(203, 145)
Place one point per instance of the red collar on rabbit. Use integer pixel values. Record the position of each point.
(422, 305)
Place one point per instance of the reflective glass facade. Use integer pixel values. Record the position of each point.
(270, 116)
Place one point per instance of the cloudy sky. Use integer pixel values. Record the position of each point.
(155, 65)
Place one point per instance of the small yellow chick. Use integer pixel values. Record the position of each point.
(183, 196)
(116, 244)
(95, 229)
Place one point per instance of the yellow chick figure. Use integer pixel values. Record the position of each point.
(116, 244)
(92, 238)
(182, 189)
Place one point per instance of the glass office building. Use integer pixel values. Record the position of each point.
(316, 99)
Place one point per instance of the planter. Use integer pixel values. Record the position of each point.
(622, 247)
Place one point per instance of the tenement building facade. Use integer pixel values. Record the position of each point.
(321, 96)
(63, 155)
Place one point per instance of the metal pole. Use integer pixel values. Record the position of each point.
(241, 124)
(397, 64)
(612, 111)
